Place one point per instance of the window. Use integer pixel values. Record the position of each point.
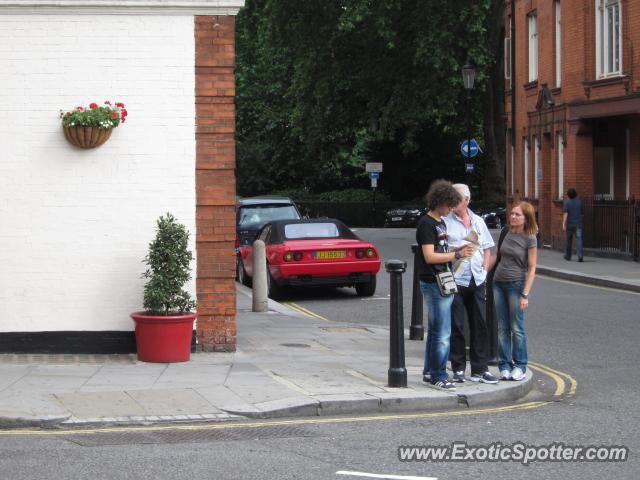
(608, 38)
(533, 47)
(560, 166)
(513, 169)
(311, 230)
(526, 169)
(507, 51)
(558, 46)
(536, 167)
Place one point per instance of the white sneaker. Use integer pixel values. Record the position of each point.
(505, 375)
(517, 374)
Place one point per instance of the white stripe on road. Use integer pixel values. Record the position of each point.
(390, 477)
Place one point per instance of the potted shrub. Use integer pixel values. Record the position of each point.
(164, 329)
(91, 127)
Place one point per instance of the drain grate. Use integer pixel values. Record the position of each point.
(133, 437)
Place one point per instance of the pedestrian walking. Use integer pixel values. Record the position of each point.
(435, 267)
(572, 224)
(512, 283)
(463, 227)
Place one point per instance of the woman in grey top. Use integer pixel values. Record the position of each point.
(512, 284)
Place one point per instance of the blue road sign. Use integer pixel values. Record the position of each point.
(375, 175)
(470, 152)
(468, 167)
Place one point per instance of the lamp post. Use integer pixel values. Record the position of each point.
(468, 77)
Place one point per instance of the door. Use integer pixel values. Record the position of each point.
(603, 173)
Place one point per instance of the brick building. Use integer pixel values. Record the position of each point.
(573, 114)
(76, 223)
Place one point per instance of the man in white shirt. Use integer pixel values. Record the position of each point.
(470, 275)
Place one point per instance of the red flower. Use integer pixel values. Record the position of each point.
(79, 108)
(114, 115)
(93, 105)
(107, 102)
(120, 105)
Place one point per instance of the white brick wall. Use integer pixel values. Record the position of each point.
(75, 224)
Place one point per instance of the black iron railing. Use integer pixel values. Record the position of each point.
(612, 226)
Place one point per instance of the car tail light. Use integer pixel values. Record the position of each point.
(360, 253)
(297, 256)
(288, 256)
(371, 253)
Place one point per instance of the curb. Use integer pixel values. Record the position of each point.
(586, 279)
(48, 421)
(397, 401)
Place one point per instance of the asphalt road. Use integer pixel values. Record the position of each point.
(588, 333)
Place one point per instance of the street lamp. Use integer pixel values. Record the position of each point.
(468, 77)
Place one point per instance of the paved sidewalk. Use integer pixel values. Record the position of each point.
(606, 272)
(286, 365)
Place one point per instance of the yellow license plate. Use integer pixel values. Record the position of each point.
(325, 254)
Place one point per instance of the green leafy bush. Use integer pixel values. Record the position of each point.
(338, 196)
(169, 260)
(104, 116)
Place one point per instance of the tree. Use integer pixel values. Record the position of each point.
(324, 86)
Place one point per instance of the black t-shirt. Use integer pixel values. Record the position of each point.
(432, 232)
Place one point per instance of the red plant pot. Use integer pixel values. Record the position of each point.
(163, 339)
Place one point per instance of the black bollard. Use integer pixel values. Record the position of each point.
(397, 370)
(416, 331)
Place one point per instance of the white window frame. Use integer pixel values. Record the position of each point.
(558, 46)
(513, 169)
(536, 166)
(533, 46)
(525, 168)
(608, 42)
(560, 166)
(507, 52)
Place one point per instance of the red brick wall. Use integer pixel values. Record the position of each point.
(215, 182)
(578, 74)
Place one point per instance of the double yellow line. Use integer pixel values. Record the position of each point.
(559, 378)
(304, 311)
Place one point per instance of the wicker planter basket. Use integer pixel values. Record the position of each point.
(86, 137)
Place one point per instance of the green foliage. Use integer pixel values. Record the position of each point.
(338, 196)
(104, 116)
(169, 260)
(325, 86)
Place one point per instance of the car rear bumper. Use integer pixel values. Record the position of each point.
(315, 281)
(329, 273)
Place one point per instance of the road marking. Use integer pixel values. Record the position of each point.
(560, 385)
(554, 373)
(573, 282)
(267, 423)
(304, 311)
(390, 477)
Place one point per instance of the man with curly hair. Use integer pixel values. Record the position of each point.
(435, 258)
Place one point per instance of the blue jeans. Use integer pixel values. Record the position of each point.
(571, 231)
(512, 338)
(438, 309)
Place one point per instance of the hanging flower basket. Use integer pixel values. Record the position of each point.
(86, 137)
(91, 127)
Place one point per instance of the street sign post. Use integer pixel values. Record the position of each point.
(470, 148)
(373, 167)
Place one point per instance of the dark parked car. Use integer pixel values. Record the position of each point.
(403, 217)
(252, 213)
(495, 217)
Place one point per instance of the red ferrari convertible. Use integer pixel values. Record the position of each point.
(319, 252)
